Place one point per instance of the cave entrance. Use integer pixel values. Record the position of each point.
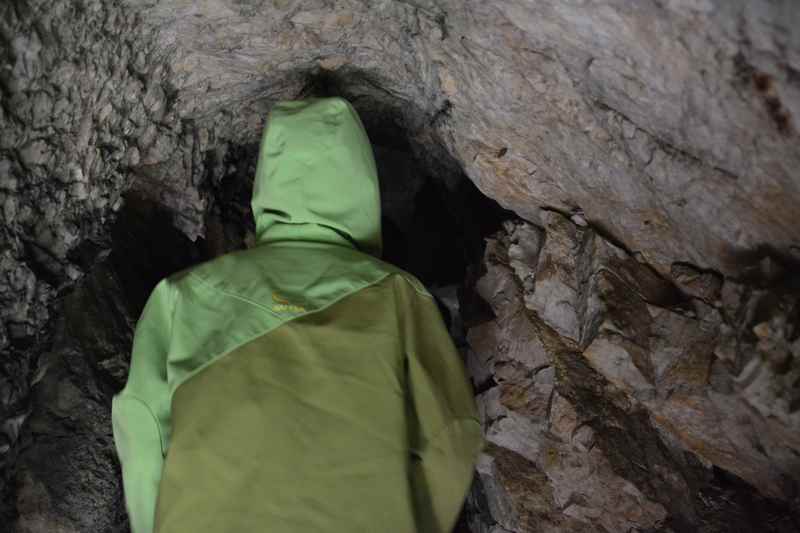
(434, 218)
(433, 226)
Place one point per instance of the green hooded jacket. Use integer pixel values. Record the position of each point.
(301, 385)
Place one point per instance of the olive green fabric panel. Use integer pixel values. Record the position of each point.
(445, 433)
(354, 418)
(302, 429)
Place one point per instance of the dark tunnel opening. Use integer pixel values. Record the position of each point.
(434, 219)
(430, 229)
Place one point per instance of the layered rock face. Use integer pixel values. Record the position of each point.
(613, 399)
(632, 330)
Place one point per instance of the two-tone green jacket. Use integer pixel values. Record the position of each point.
(301, 385)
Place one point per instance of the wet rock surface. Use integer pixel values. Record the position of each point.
(631, 331)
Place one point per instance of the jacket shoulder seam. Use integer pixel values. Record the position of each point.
(213, 287)
(417, 285)
(267, 330)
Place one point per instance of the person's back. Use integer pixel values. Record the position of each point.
(302, 385)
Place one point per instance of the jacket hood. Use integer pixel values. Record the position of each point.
(316, 179)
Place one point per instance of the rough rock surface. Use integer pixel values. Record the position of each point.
(613, 401)
(637, 355)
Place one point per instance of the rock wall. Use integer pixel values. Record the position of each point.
(668, 124)
(636, 352)
(615, 400)
(72, 109)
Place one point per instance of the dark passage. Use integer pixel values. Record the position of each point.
(433, 225)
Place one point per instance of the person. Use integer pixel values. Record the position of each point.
(301, 385)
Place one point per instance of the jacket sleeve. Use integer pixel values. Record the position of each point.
(140, 412)
(445, 433)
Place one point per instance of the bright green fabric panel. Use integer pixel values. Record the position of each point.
(316, 178)
(358, 417)
(141, 413)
